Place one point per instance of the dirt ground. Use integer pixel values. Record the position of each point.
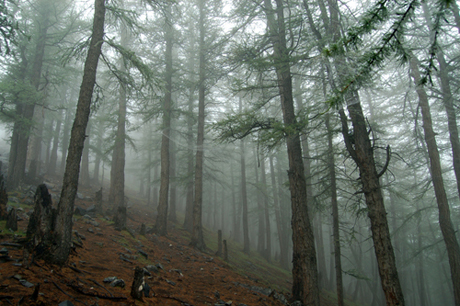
(184, 277)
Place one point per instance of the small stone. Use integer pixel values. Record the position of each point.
(160, 266)
(17, 276)
(4, 251)
(109, 279)
(143, 254)
(79, 211)
(152, 268)
(90, 230)
(66, 303)
(170, 282)
(118, 283)
(26, 283)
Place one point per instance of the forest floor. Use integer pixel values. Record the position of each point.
(180, 275)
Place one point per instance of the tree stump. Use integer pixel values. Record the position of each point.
(120, 218)
(219, 243)
(98, 200)
(3, 196)
(41, 224)
(142, 230)
(137, 289)
(225, 250)
(12, 220)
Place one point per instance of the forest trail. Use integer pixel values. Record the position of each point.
(180, 275)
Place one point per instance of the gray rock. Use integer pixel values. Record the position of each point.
(79, 196)
(118, 283)
(66, 303)
(79, 211)
(160, 266)
(297, 303)
(170, 282)
(26, 283)
(13, 199)
(143, 254)
(17, 276)
(152, 268)
(90, 230)
(109, 279)
(4, 251)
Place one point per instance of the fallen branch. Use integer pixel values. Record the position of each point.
(57, 286)
(81, 290)
(101, 286)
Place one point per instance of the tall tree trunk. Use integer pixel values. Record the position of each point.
(25, 111)
(65, 139)
(448, 100)
(244, 196)
(188, 221)
(162, 217)
(362, 153)
(322, 271)
(305, 271)
(335, 213)
(54, 150)
(447, 229)
(276, 204)
(260, 206)
(97, 161)
(266, 210)
(284, 217)
(35, 143)
(84, 172)
(63, 228)
(172, 174)
(236, 210)
(197, 233)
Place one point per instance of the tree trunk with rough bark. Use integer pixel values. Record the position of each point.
(362, 153)
(335, 214)
(54, 149)
(62, 235)
(305, 271)
(447, 229)
(268, 247)
(162, 217)
(197, 232)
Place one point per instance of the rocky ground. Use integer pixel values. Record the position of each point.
(100, 270)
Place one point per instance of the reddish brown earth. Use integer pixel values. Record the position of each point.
(189, 277)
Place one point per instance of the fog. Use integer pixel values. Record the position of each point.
(318, 134)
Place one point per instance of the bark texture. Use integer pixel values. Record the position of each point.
(162, 217)
(63, 229)
(305, 272)
(362, 153)
(445, 222)
(197, 232)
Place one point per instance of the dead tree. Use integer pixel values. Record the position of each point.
(41, 224)
(138, 284)
(12, 220)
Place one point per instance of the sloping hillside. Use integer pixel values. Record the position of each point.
(176, 273)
